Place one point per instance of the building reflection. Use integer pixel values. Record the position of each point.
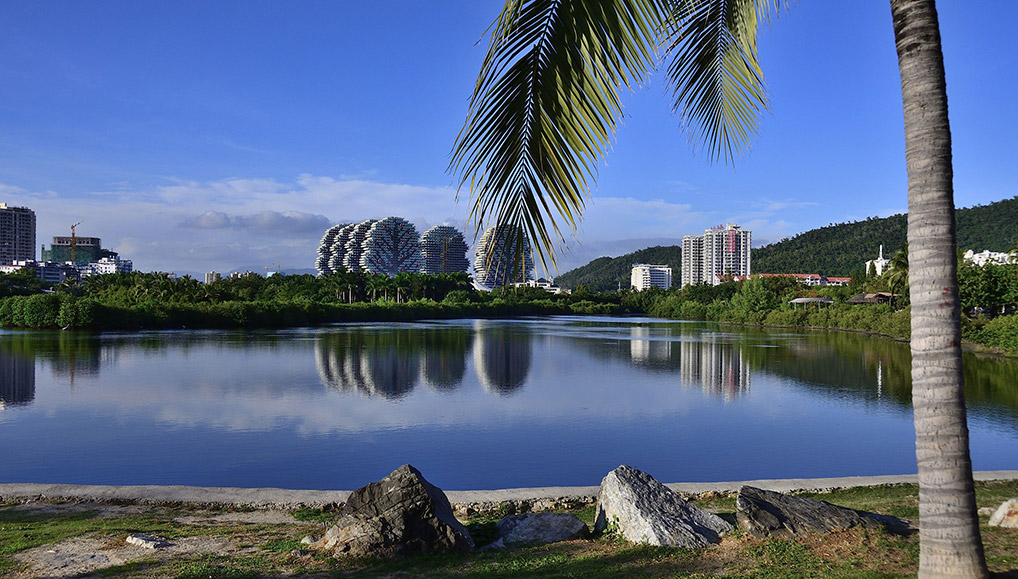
(390, 363)
(501, 356)
(444, 361)
(643, 349)
(715, 365)
(17, 379)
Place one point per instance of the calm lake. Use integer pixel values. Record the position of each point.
(473, 404)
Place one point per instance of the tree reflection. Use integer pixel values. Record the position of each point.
(501, 356)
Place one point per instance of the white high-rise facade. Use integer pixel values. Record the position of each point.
(646, 276)
(720, 252)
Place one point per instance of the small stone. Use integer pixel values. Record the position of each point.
(307, 540)
(987, 511)
(1006, 515)
(540, 528)
(147, 541)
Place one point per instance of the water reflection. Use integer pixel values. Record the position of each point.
(715, 365)
(501, 356)
(17, 379)
(389, 362)
(708, 360)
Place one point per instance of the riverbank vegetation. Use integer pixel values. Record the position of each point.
(155, 300)
(988, 293)
(227, 542)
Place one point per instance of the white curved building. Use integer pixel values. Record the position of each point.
(391, 246)
(443, 250)
(495, 259)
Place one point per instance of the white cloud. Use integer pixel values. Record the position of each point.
(292, 222)
(191, 226)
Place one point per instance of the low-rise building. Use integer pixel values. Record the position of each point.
(107, 265)
(809, 279)
(987, 256)
(46, 270)
(545, 284)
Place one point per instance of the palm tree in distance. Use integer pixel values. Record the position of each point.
(897, 278)
(544, 111)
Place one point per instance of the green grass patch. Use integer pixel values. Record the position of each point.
(313, 515)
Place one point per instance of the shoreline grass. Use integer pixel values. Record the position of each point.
(249, 548)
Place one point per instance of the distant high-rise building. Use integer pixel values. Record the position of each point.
(645, 276)
(17, 234)
(212, 277)
(692, 260)
(391, 246)
(721, 252)
(498, 261)
(443, 250)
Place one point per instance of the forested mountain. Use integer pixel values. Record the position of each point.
(842, 249)
(835, 250)
(606, 273)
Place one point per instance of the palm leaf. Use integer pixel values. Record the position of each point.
(546, 103)
(545, 107)
(718, 85)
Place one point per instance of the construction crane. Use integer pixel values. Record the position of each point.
(74, 239)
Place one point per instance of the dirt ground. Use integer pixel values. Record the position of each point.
(81, 555)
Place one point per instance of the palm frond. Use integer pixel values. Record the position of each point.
(545, 107)
(718, 85)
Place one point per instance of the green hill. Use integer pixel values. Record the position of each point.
(842, 249)
(606, 273)
(835, 250)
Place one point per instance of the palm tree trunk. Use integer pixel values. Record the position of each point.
(950, 545)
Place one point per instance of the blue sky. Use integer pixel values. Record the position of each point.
(215, 135)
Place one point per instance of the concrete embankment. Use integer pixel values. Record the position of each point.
(274, 498)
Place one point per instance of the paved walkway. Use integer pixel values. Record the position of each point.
(288, 498)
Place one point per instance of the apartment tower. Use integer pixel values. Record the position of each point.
(17, 234)
(719, 253)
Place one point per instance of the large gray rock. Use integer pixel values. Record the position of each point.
(643, 510)
(763, 513)
(1006, 515)
(402, 514)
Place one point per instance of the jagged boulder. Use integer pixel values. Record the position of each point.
(1006, 515)
(763, 513)
(643, 510)
(402, 514)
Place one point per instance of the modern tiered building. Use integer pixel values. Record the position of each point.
(495, 259)
(721, 252)
(390, 246)
(17, 234)
(443, 250)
